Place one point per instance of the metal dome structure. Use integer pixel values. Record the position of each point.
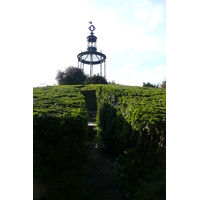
(92, 56)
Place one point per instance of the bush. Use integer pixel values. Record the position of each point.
(96, 80)
(60, 154)
(148, 85)
(71, 76)
(131, 121)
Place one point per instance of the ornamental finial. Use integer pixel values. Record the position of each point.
(91, 27)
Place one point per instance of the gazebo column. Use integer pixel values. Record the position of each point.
(105, 68)
(91, 67)
(100, 67)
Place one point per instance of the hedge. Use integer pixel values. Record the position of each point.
(131, 121)
(59, 141)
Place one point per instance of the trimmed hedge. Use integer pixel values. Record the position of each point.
(90, 99)
(131, 121)
(59, 141)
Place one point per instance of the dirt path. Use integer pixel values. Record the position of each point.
(101, 182)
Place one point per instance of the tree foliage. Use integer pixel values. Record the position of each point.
(148, 85)
(71, 76)
(163, 84)
(96, 80)
(113, 82)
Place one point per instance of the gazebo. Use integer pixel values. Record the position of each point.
(92, 56)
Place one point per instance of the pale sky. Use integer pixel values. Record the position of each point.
(131, 33)
(39, 37)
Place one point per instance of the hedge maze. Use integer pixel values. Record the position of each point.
(131, 122)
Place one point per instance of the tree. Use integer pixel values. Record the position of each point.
(96, 80)
(71, 76)
(113, 82)
(163, 84)
(148, 85)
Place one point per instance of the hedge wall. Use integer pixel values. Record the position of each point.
(59, 137)
(132, 123)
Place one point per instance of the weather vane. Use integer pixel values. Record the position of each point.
(91, 28)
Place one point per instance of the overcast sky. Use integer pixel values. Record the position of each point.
(131, 33)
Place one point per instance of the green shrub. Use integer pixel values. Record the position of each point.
(132, 122)
(59, 142)
(96, 80)
(90, 99)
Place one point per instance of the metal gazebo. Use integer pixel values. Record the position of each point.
(92, 56)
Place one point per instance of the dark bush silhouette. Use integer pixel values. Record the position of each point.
(71, 76)
(96, 80)
(148, 85)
